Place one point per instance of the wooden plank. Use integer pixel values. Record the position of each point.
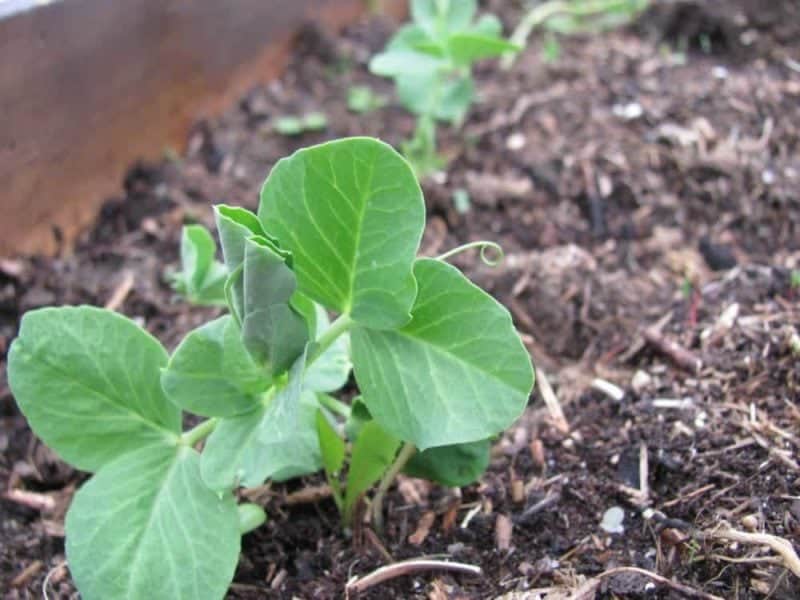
(89, 86)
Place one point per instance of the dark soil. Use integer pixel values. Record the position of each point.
(645, 190)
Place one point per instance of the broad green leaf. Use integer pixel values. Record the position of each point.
(202, 278)
(467, 47)
(88, 381)
(458, 372)
(272, 331)
(332, 369)
(331, 445)
(145, 526)
(453, 466)
(212, 374)
(278, 440)
(373, 452)
(351, 213)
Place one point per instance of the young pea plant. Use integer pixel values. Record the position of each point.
(439, 365)
(570, 17)
(431, 60)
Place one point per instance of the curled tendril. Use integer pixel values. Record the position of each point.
(484, 245)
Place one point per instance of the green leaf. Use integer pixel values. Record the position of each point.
(458, 372)
(330, 444)
(332, 369)
(88, 381)
(278, 440)
(405, 62)
(373, 452)
(145, 526)
(453, 466)
(467, 47)
(414, 37)
(272, 331)
(352, 214)
(212, 374)
(202, 278)
(440, 16)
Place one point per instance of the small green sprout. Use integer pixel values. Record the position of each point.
(293, 125)
(431, 62)
(361, 99)
(439, 365)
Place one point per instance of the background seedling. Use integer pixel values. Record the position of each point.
(570, 17)
(361, 99)
(438, 362)
(293, 125)
(431, 60)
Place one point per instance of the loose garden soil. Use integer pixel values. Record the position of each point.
(644, 187)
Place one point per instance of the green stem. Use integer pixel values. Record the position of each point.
(200, 432)
(334, 405)
(337, 328)
(405, 454)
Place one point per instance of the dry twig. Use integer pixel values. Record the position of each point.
(551, 401)
(588, 589)
(778, 544)
(121, 291)
(407, 567)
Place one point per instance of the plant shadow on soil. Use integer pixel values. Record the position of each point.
(647, 178)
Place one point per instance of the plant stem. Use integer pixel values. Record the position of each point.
(199, 432)
(405, 454)
(337, 328)
(334, 405)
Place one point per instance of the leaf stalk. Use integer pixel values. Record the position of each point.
(406, 452)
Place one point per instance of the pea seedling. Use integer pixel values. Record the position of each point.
(438, 362)
(570, 17)
(291, 125)
(431, 62)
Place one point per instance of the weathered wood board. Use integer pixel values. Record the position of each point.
(89, 86)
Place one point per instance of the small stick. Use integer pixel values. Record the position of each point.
(121, 291)
(27, 573)
(407, 567)
(58, 571)
(586, 590)
(678, 354)
(551, 401)
(32, 500)
(777, 544)
(308, 495)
